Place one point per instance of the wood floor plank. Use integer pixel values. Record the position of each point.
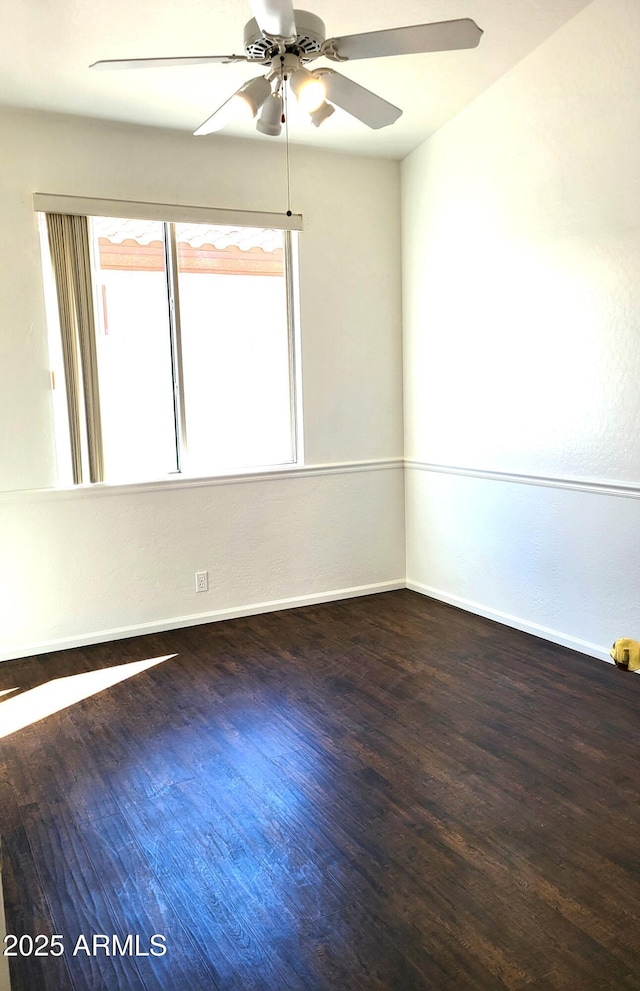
(224, 932)
(72, 886)
(27, 908)
(142, 910)
(378, 794)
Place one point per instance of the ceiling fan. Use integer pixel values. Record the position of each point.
(286, 40)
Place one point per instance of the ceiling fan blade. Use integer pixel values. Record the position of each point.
(358, 101)
(219, 118)
(158, 63)
(441, 36)
(275, 17)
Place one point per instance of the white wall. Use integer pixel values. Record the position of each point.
(521, 260)
(77, 566)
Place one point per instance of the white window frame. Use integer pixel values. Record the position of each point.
(170, 214)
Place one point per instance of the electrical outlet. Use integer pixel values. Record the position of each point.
(202, 581)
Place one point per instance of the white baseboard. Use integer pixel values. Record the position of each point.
(197, 619)
(315, 598)
(544, 632)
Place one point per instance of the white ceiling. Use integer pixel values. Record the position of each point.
(46, 47)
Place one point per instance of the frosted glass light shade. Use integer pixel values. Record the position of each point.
(321, 113)
(254, 93)
(308, 89)
(243, 105)
(270, 119)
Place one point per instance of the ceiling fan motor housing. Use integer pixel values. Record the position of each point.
(308, 42)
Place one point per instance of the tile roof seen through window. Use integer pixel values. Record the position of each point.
(117, 230)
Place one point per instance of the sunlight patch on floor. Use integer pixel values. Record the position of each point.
(43, 700)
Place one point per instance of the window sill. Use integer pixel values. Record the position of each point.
(176, 483)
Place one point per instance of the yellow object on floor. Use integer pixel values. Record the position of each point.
(626, 654)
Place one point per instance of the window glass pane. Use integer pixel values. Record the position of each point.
(235, 347)
(134, 349)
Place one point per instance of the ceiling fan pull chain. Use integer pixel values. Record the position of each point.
(285, 117)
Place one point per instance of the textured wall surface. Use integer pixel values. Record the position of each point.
(81, 565)
(349, 269)
(521, 267)
(561, 563)
(521, 258)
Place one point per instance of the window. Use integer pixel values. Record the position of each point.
(188, 365)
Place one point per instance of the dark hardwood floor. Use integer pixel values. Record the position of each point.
(380, 794)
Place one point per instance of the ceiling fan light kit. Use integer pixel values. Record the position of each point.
(308, 89)
(270, 120)
(255, 92)
(321, 113)
(285, 39)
